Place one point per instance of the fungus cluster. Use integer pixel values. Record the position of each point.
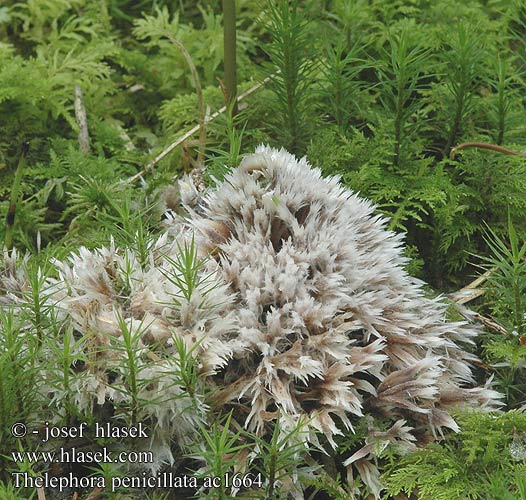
(293, 298)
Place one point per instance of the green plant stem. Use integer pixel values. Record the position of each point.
(457, 121)
(398, 122)
(502, 116)
(518, 307)
(14, 353)
(291, 77)
(200, 98)
(15, 190)
(229, 39)
(129, 345)
(290, 54)
(272, 475)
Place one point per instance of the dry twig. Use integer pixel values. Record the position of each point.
(180, 140)
(95, 494)
(82, 121)
(471, 315)
(484, 145)
(469, 293)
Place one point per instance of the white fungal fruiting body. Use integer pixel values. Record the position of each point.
(302, 311)
(330, 323)
(103, 292)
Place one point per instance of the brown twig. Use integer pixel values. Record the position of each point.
(470, 292)
(82, 121)
(223, 89)
(484, 145)
(471, 315)
(95, 494)
(192, 131)
(41, 494)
